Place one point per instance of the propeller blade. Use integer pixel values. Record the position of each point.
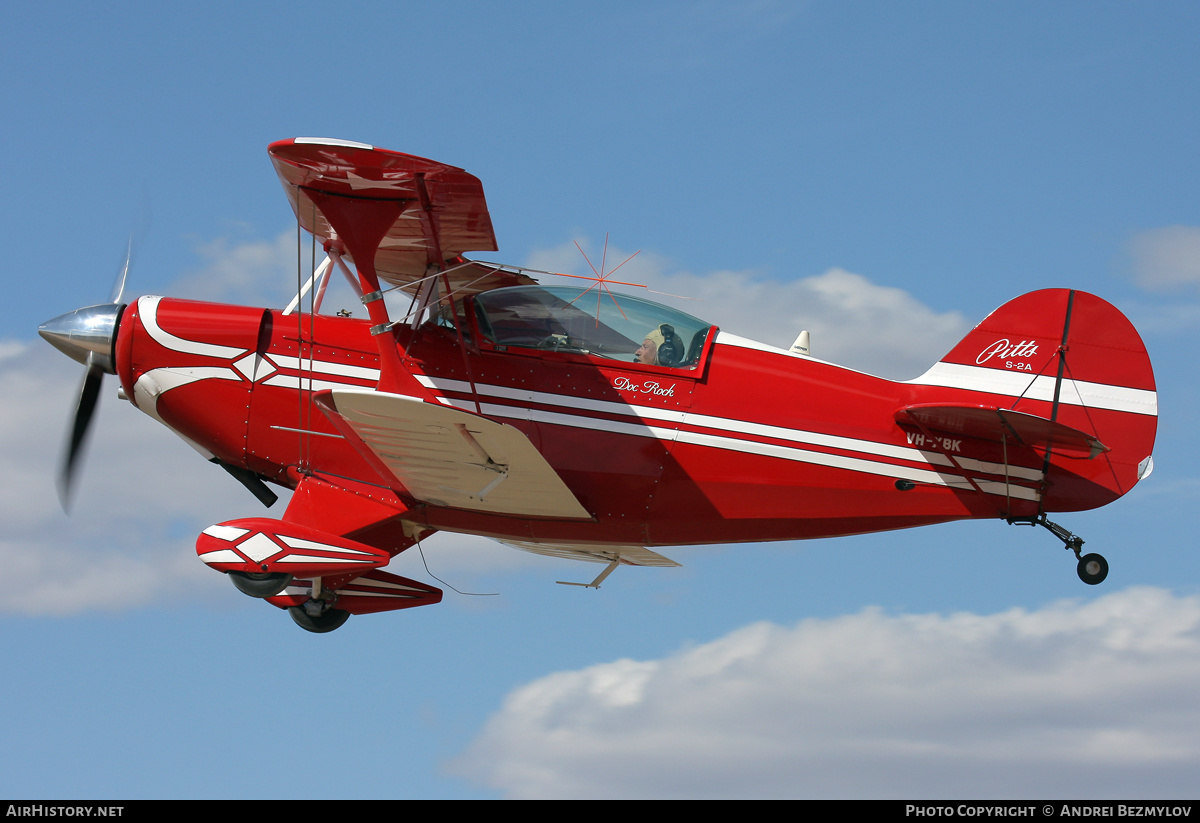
(119, 285)
(89, 395)
(88, 336)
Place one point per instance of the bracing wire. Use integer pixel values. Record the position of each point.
(312, 333)
(299, 351)
(421, 551)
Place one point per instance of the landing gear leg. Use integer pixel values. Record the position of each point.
(1092, 568)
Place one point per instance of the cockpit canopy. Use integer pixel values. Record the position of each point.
(589, 321)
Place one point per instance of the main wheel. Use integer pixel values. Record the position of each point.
(1092, 569)
(260, 584)
(327, 621)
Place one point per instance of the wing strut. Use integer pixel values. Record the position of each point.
(360, 225)
(322, 275)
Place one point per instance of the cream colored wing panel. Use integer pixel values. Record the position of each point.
(448, 457)
(627, 555)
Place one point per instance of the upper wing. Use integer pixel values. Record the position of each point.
(445, 213)
(448, 457)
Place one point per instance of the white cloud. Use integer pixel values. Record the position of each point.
(1072, 700)
(130, 539)
(1167, 258)
(11, 348)
(852, 321)
(258, 272)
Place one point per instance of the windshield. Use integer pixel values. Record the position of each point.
(616, 326)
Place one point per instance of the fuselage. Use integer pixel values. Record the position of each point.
(752, 443)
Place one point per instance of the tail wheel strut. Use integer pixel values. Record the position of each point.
(1092, 568)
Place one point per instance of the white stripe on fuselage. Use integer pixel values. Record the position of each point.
(647, 413)
(296, 381)
(306, 364)
(857, 464)
(148, 314)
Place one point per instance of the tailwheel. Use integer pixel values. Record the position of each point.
(324, 621)
(1093, 568)
(260, 584)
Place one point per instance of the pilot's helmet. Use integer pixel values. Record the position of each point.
(668, 345)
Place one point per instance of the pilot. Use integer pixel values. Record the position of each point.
(662, 347)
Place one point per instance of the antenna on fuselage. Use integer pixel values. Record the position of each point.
(801, 344)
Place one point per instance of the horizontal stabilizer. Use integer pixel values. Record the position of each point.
(995, 424)
(449, 457)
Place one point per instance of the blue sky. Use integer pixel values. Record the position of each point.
(883, 174)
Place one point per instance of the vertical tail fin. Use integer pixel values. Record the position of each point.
(1071, 358)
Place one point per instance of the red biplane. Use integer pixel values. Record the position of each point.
(610, 430)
